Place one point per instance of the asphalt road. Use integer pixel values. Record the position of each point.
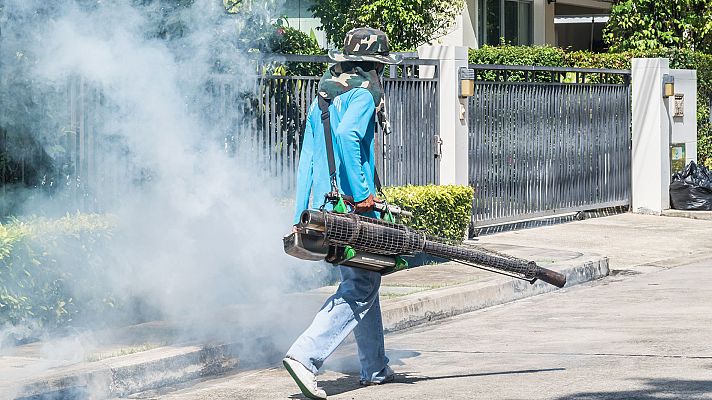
(636, 336)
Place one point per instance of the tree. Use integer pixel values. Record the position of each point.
(654, 24)
(408, 23)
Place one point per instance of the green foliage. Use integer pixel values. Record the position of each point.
(438, 210)
(287, 40)
(587, 59)
(251, 6)
(408, 23)
(260, 33)
(704, 144)
(49, 270)
(703, 64)
(655, 24)
(517, 55)
(335, 18)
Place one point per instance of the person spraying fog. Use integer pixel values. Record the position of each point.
(353, 92)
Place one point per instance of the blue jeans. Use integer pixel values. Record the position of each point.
(354, 306)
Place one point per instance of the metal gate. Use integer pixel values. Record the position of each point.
(274, 126)
(545, 141)
(408, 156)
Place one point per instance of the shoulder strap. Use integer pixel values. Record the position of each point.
(377, 180)
(326, 121)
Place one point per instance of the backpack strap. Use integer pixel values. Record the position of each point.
(326, 121)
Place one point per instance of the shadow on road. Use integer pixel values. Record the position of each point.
(349, 382)
(656, 389)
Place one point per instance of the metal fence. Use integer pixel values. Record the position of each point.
(544, 141)
(51, 145)
(275, 123)
(409, 155)
(263, 124)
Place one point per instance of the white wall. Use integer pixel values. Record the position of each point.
(654, 128)
(464, 33)
(684, 129)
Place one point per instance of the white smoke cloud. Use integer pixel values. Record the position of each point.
(199, 230)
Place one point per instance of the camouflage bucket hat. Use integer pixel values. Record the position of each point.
(366, 44)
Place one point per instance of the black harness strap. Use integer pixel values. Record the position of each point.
(326, 121)
(377, 180)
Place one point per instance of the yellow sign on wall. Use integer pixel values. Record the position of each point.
(677, 157)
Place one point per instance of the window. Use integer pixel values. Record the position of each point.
(508, 19)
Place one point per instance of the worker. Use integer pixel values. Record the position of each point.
(353, 91)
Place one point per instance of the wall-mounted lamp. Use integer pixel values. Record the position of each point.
(467, 82)
(668, 85)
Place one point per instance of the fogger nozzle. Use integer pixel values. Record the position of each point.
(382, 237)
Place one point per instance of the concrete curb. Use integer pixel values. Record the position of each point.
(125, 375)
(423, 307)
(164, 366)
(701, 215)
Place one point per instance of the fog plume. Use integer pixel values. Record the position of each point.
(197, 227)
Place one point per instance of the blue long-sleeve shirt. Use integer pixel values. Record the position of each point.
(352, 129)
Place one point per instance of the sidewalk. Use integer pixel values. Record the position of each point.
(158, 354)
(632, 242)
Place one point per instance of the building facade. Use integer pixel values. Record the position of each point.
(572, 24)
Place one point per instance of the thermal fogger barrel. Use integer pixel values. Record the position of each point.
(377, 243)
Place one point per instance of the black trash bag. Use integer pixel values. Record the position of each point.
(691, 189)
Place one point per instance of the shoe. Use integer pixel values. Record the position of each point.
(390, 377)
(304, 378)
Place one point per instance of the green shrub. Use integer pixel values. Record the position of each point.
(287, 40)
(516, 55)
(587, 59)
(703, 65)
(438, 210)
(50, 270)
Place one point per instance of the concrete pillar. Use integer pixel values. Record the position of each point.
(549, 28)
(651, 138)
(453, 113)
(539, 20)
(659, 122)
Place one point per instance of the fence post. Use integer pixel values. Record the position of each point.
(655, 127)
(453, 125)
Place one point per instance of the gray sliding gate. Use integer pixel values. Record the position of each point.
(546, 140)
(262, 124)
(407, 156)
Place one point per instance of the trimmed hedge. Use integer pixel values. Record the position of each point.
(50, 270)
(518, 55)
(551, 56)
(437, 210)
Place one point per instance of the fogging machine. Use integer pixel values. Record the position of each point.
(341, 237)
(378, 245)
